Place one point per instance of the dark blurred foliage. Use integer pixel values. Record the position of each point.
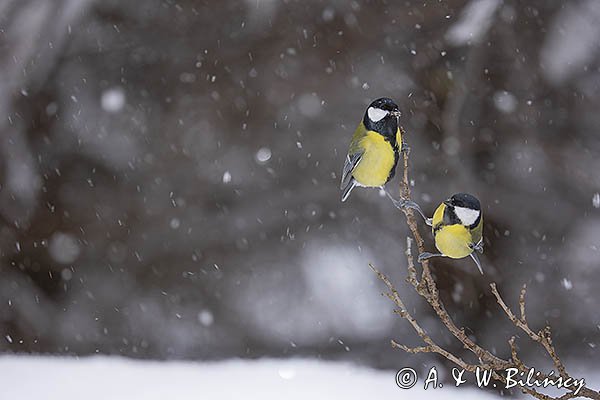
(169, 174)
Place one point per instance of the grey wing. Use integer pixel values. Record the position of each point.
(351, 162)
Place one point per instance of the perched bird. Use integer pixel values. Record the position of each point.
(457, 227)
(374, 148)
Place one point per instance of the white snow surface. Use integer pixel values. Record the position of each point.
(115, 378)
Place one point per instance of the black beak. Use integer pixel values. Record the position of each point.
(448, 202)
(396, 113)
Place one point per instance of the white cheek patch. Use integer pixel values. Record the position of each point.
(376, 114)
(466, 216)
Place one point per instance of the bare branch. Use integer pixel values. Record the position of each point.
(427, 288)
(431, 347)
(544, 337)
(431, 294)
(513, 318)
(413, 350)
(412, 272)
(522, 303)
(514, 355)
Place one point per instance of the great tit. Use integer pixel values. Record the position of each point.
(457, 227)
(374, 148)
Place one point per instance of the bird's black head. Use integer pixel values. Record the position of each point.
(464, 200)
(464, 209)
(382, 117)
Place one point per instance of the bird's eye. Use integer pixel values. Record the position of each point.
(376, 114)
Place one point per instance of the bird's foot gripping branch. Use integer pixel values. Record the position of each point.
(424, 284)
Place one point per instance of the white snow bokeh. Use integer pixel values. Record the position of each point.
(226, 177)
(100, 378)
(505, 102)
(581, 252)
(64, 248)
(474, 22)
(596, 200)
(337, 293)
(572, 41)
(263, 155)
(113, 99)
(206, 318)
(337, 279)
(309, 105)
(99, 130)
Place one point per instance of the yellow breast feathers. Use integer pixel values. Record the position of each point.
(377, 161)
(451, 240)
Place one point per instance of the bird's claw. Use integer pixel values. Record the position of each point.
(401, 203)
(478, 246)
(404, 203)
(426, 255)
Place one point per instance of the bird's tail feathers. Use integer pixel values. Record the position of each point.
(346, 192)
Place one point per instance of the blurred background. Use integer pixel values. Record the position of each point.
(169, 173)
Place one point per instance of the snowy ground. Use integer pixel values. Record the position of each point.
(113, 378)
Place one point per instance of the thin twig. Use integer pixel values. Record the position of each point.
(403, 312)
(513, 318)
(514, 355)
(522, 303)
(543, 337)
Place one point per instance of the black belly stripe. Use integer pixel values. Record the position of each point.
(391, 139)
(393, 170)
